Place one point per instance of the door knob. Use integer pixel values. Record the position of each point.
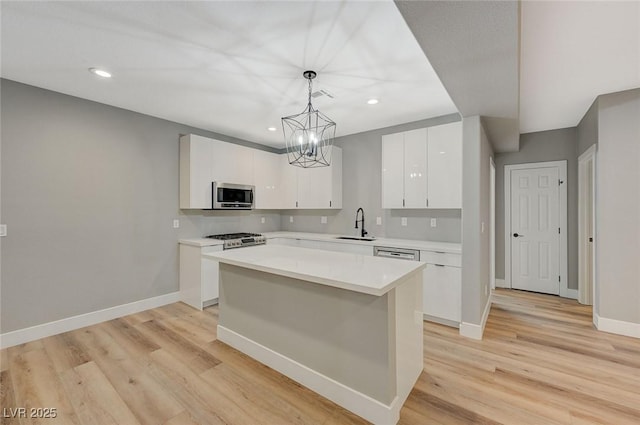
(515, 235)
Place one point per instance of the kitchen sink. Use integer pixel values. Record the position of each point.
(355, 238)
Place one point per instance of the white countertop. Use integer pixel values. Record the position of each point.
(454, 248)
(359, 273)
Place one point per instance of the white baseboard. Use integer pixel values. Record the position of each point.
(32, 333)
(475, 331)
(362, 405)
(501, 283)
(616, 326)
(572, 293)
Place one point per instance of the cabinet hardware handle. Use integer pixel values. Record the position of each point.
(403, 202)
(440, 252)
(516, 235)
(427, 201)
(296, 204)
(439, 265)
(329, 203)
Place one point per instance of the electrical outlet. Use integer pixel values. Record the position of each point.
(3, 230)
(323, 219)
(379, 221)
(434, 223)
(176, 224)
(403, 221)
(262, 220)
(290, 219)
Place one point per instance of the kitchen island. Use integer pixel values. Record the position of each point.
(347, 326)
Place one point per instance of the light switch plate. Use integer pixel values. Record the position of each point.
(323, 219)
(262, 220)
(379, 221)
(176, 224)
(3, 230)
(290, 219)
(403, 221)
(434, 222)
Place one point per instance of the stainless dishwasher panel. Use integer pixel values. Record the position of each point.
(400, 253)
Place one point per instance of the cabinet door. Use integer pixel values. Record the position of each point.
(445, 166)
(442, 292)
(415, 168)
(196, 172)
(232, 163)
(288, 183)
(392, 170)
(314, 187)
(267, 180)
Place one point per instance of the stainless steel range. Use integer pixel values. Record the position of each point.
(239, 240)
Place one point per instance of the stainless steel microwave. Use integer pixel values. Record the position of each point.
(229, 196)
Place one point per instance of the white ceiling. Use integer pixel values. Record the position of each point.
(229, 67)
(571, 52)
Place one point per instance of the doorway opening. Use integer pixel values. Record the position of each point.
(586, 228)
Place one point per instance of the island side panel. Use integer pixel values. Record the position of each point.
(408, 333)
(341, 334)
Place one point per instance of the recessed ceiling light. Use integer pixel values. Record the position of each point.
(100, 72)
(272, 129)
(372, 101)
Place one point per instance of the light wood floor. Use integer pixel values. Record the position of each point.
(540, 363)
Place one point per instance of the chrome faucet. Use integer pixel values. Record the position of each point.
(363, 232)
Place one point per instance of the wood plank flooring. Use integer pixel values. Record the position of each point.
(541, 362)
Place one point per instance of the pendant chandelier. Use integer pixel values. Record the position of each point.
(309, 135)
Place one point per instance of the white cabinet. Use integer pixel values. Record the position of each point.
(337, 246)
(196, 171)
(415, 168)
(198, 276)
(444, 165)
(422, 168)
(313, 188)
(267, 180)
(232, 163)
(393, 170)
(442, 287)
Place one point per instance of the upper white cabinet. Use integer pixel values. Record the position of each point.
(423, 168)
(267, 180)
(232, 163)
(444, 166)
(196, 171)
(313, 188)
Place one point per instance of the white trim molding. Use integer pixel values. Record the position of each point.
(618, 327)
(572, 293)
(562, 220)
(501, 283)
(44, 330)
(362, 405)
(472, 330)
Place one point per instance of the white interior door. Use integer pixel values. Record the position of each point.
(586, 228)
(535, 241)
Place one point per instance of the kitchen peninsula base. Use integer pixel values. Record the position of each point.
(362, 351)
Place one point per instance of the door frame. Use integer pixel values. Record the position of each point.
(492, 222)
(587, 156)
(562, 221)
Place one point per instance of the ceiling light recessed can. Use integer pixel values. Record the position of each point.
(271, 128)
(372, 101)
(100, 72)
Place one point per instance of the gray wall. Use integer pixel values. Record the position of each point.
(89, 193)
(587, 131)
(618, 206)
(476, 191)
(361, 185)
(552, 145)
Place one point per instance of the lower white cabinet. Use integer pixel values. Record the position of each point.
(442, 290)
(198, 276)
